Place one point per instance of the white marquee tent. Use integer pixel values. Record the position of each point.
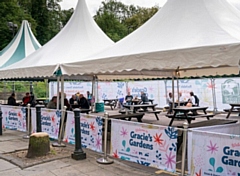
(200, 37)
(23, 44)
(80, 38)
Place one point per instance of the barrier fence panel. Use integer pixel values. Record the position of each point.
(50, 121)
(214, 153)
(14, 117)
(91, 131)
(149, 145)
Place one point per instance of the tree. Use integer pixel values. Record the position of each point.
(12, 12)
(118, 20)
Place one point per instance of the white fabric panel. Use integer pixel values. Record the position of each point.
(189, 34)
(227, 91)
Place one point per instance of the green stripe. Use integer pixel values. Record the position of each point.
(36, 46)
(19, 53)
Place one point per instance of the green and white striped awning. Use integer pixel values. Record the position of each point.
(23, 44)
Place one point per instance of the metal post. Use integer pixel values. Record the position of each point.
(93, 93)
(38, 115)
(214, 96)
(78, 153)
(105, 159)
(0, 123)
(61, 132)
(184, 146)
(28, 123)
(58, 80)
(173, 95)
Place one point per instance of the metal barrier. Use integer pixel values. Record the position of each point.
(61, 132)
(28, 120)
(105, 159)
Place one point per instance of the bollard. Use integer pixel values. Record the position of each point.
(184, 146)
(27, 136)
(38, 115)
(0, 123)
(105, 159)
(59, 143)
(78, 153)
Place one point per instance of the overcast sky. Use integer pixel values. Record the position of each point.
(93, 5)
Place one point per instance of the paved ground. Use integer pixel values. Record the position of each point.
(11, 141)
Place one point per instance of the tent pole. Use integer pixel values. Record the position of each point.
(165, 83)
(178, 90)
(214, 96)
(58, 80)
(93, 93)
(173, 99)
(5, 92)
(62, 93)
(96, 89)
(47, 87)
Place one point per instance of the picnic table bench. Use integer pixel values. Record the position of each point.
(235, 107)
(146, 108)
(184, 113)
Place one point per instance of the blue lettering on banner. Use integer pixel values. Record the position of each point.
(12, 116)
(230, 152)
(46, 120)
(142, 137)
(84, 131)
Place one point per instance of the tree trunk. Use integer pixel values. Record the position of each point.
(39, 145)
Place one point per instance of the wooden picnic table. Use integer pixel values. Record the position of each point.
(143, 108)
(183, 112)
(111, 102)
(234, 107)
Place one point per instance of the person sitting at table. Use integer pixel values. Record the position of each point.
(52, 103)
(144, 98)
(169, 102)
(89, 98)
(26, 99)
(66, 103)
(73, 100)
(83, 102)
(12, 100)
(193, 99)
(129, 98)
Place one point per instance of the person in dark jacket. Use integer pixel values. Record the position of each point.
(144, 98)
(83, 102)
(12, 100)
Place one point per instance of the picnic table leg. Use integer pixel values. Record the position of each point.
(156, 116)
(189, 121)
(170, 124)
(230, 111)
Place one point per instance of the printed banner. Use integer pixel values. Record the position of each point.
(215, 154)
(14, 117)
(149, 145)
(91, 131)
(50, 120)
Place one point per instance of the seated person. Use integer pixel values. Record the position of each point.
(52, 103)
(83, 102)
(144, 98)
(12, 100)
(128, 99)
(73, 100)
(26, 99)
(89, 98)
(169, 102)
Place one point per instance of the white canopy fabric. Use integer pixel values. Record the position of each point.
(187, 34)
(23, 44)
(80, 38)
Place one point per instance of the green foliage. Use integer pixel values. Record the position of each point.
(118, 20)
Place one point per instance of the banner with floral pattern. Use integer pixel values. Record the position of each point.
(50, 121)
(215, 154)
(149, 145)
(14, 117)
(91, 131)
